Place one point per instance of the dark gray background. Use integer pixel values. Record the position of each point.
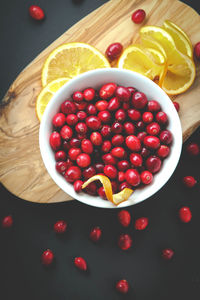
(22, 275)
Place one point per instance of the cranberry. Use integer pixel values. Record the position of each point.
(153, 106)
(91, 189)
(166, 137)
(189, 181)
(132, 177)
(125, 241)
(153, 164)
(123, 165)
(197, 50)
(141, 135)
(118, 152)
(129, 128)
(121, 176)
(74, 153)
(80, 263)
(91, 109)
(125, 106)
(133, 143)
(162, 118)
(104, 116)
(122, 286)
(75, 143)
(89, 172)
(7, 222)
(78, 186)
(99, 167)
(140, 125)
(163, 151)
(58, 120)
(68, 107)
(117, 140)
(71, 119)
(60, 155)
(147, 117)
(107, 90)
(95, 234)
(47, 257)
(73, 174)
(83, 160)
(138, 16)
(96, 138)
(151, 142)
(81, 136)
(101, 105)
(139, 100)
(117, 127)
(124, 185)
(124, 218)
(122, 94)
(113, 104)
(114, 51)
(106, 146)
(145, 152)
(141, 223)
(36, 12)
(66, 145)
(110, 171)
(69, 163)
(61, 167)
(106, 131)
(81, 106)
(101, 193)
(185, 214)
(120, 115)
(134, 114)
(193, 149)
(81, 115)
(55, 140)
(89, 94)
(153, 128)
(136, 159)
(66, 132)
(167, 253)
(78, 96)
(109, 159)
(81, 128)
(93, 122)
(146, 177)
(176, 105)
(86, 146)
(60, 226)
(131, 89)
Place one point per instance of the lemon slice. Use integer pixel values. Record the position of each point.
(153, 44)
(46, 94)
(70, 60)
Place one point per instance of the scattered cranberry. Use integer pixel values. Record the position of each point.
(89, 94)
(138, 16)
(114, 51)
(167, 253)
(193, 149)
(153, 164)
(185, 214)
(176, 105)
(132, 177)
(60, 226)
(141, 223)
(95, 234)
(122, 286)
(47, 257)
(78, 186)
(80, 263)
(78, 96)
(7, 222)
(189, 181)
(146, 177)
(107, 90)
(36, 12)
(197, 50)
(124, 241)
(124, 218)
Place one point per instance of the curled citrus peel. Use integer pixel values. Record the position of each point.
(114, 198)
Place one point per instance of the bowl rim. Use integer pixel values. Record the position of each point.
(89, 200)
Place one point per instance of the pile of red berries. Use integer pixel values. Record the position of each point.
(113, 131)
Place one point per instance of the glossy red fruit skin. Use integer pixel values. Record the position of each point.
(91, 109)
(118, 152)
(120, 115)
(68, 107)
(125, 241)
(81, 106)
(7, 222)
(133, 143)
(110, 171)
(145, 152)
(66, 132)
(177, 106)
(36, 12)
(122, 94)
(147, 117)
(101, 105)
(101, 193)
(47, 257)
(96, 138)
(81, 128)
(123, 165)
(89, 94)
(73, 174)
(134, 114)
(81, 115)
(129, 128)
(141, 135)
(58, 120)
(71, 119)
(80, 263)
(197, 50)
(139, 100)
(113, 104)
(151, 142)
(99, 167)
(189, 181)
(74, 153)
(78, 96)
(91, 189)
(124, 218)
(124, 185)
(185, 214)
(163, 151)
(166, 137)
(83, 160)
(55, 140)
(106, 146)
(78, 186)
(87, 146)
(153, 128)
(60, 155)
(89, 172)
(116, 127)
(122, 286)
(140, 125)
(132, 177)
(69, 163)
(104, 116)
(109, 159)
(114, 51)
(93, 122)
(153, 164)
(162, 118)
(60, 226)
(138, 16)
(95, 234)
(121, 176)
(107, 90)
(136, 159)
(146, 177)
(167, 253)
(61, 166)
(114, 185)
(106, 131)
(153, 106)
(141, 223)
(117, 140)
(193, 149)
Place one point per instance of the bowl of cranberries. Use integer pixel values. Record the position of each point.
(112, 122)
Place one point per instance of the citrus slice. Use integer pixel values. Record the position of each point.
(153, 44)
(46, 94)
(116, 198)
(182, 41)
(70, 60)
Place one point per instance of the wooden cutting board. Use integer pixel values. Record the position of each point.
(21, 168)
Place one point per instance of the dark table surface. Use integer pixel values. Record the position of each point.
(150, 277)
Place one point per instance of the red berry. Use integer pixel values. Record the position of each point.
(153, 106)
(151, 142)
(58, 120)
(66, 145)
(106, 131)
(60, 155)
(146, 177)
(93, 122)
(197, 50)
(138, 16)
(83, 160)
(61, 167)
(141, 223)
(104, 116)
(89, 94)
(78, 186)
(71, 119)
(78, 96)
(140, 125)
(123, 165)
(91, 189)
(145, 152)
(109, 159)
(176, 105)
(189, 181)
(147, 117)
(80, 263)
(163, 151)
(118, 152)
(101, 105)
(36, 12)
(153, 128)
(89, 172)
(121, 176)
(55, 140)
(122, 94)
(99, 167)
(116, 127)
(96, 138)
(134, 114)
(110, 171)
(69, 163)
(66, 132)
(60, 226)
(7, 222)
(117, 140)
(162, 118)
(129, 128)
(107, 90)
(133, 143)
(185, 214)
(120, 115)
(131, 89)
(81, 106)
(68, 107)
(125, 106)
(101, 193)
(95, 234)
(193, 149)
(86, 146)
(136, 159)
(91, 109)
(81, 128)
(114, 50)
(124, 241)
(124, 218)
(74, 153)
(75, 143)
(73, 174)
(124, 185)
(106, 146)
(132, 177)
(153, 164)
(141, 135)
(81, 115)
(113, 104)
(139, 100)
(122, 286)
(47, 257)
(167, 253)
(166, 137)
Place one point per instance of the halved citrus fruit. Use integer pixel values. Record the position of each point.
(46, 94)
(70, 60)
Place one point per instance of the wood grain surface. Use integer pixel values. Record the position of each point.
(21, 168)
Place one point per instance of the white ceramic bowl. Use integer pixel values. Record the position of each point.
(95, 79)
